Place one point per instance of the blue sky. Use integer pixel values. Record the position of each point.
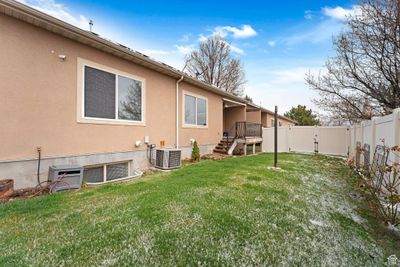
(277, 41)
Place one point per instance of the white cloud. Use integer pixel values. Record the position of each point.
(155, 52)
(322, 32)
(184, 49)
(308, 14)
(341, 13)
(245, 32)
(202, 38)
(271, 43)
(59, 11)
(282, 86)
(185, 38)
(236, 49)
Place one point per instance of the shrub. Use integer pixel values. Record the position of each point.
(195, 152)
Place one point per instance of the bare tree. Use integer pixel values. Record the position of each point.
(362, 80)
(213, 63)
(131, 103)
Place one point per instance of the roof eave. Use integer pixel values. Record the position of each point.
(42, 20)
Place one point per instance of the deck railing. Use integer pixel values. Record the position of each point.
(248, 129)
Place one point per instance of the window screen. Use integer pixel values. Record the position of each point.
(99, 94)
(201, 112)
(94, 174)
(129, 99)
(117, 171)
(190, 109)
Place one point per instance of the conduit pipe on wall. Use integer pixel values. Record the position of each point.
(177, 111)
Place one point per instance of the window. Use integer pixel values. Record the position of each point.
(111, 96)
(195, 111)
(106, 173)
(190, 109)
(129, 99)
(280, 123)
(99, 94)
(272, 122)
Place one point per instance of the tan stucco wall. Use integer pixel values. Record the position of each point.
(38, 100)
(253, 116)
(285, 122)
(211, 134)
(266, 120)
(233, 115)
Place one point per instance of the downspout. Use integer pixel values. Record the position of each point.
(177, 111)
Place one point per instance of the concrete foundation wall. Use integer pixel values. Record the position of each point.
(24, 172)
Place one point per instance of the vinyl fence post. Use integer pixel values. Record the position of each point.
(362, 141)
(396, 131)
(354, 146)
(373, 134)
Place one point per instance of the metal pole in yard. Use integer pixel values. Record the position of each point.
(276, 137)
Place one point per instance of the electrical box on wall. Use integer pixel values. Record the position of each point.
(146, 139)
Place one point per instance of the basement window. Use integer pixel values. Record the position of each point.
(106, 173)
(195, 111)
(111, 96)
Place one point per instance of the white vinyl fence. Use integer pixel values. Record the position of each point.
(378, 131)
(324, 140)
(336, 140)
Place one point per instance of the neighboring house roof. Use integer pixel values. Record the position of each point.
(40, 19)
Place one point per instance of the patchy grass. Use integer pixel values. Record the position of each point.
(229, 212)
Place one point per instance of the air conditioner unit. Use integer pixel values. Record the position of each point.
(168, 158)
(67, 176)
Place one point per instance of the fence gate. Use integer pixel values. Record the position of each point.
(304, 139)
(333, 140)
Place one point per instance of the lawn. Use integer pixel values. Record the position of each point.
(228, 212)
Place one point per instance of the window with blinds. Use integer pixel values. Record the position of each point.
(112, 96)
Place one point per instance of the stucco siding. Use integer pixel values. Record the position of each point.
(39, 94)
(233, 115)
(253, 116)
(266, 120)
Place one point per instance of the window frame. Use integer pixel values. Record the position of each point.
(82, 118)
(104, 166)
(196, 96)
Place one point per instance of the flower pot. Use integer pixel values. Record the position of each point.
(6, 188)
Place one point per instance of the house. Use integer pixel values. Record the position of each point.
(68, 96)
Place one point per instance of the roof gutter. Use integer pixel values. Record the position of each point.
(177, 111)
